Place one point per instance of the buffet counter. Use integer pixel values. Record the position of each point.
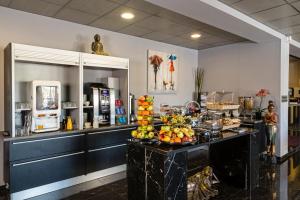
(160, 171)
(64, 132)
(47, 160)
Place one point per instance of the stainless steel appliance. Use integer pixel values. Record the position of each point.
(103, 101)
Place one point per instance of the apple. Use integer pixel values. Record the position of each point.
(185, 139)
(139, 117)
(139, 135)
(150, 108)
(142, 98)
(176, 130)
(167, 139)
(151, 135)
(134, 133)
(173, 135)
(161, 137)
(150, 128)
(180, 135)
(141, 108)
(149, 99)
(150, 119)
(140, 128)
(167, 128)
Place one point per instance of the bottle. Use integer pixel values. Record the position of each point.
(64, 124)
(69, 124)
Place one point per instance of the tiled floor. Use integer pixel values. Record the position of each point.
(280, 181)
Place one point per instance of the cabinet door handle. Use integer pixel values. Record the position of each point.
(115, 146)
(51, 158)
(48, 139)
(114, 130)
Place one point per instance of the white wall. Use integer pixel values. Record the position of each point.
(247, 67)
(21, 27)
(25, 28)
(243, 68)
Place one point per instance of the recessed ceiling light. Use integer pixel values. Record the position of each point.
(195, 35)
(127, 15)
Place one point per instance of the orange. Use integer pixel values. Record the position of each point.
(177, 140)
(145, 123)
(145, 112)
(142, 98)
(145, 104)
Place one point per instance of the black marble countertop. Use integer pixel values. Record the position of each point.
(167, 149)
(64, 132)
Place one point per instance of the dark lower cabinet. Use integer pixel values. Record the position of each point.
(28, 149)
(26, 175)
(108, 138)
(31, 163)
(106, 157)
(107, 149)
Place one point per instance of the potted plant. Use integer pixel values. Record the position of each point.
(262, 93)
(199, 76)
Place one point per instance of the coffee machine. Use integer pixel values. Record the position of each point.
(103, 101)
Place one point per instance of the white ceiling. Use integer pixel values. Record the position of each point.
(151, 21)
(281, 15)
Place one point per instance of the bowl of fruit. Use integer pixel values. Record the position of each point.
(176, 135)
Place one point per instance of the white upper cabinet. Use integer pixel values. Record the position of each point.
(45, 55)
(93, 60)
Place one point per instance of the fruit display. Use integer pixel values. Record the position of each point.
(176, 130)
(145, 113)
(175, 120)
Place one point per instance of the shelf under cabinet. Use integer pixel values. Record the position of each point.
(70, 108)
(88, 106)
(21, 110)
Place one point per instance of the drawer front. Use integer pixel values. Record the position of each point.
(26, 175)
(44, 147)
(108, 138)
(106, 157)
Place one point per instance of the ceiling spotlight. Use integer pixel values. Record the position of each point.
(195, 35)
(127, 15)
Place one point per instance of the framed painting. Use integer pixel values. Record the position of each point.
(162, 72)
